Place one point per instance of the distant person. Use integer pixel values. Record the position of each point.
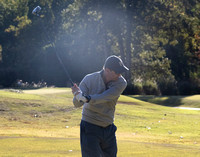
(98, 94)
(19, 83)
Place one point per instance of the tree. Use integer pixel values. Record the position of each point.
(158, 40)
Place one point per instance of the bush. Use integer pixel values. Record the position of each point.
(7, 77)
(168, 87)
(197, 86)
(133, 89)
(129, 90)
(185, 88)
(189, 87)
(138, 88)
(150, 88)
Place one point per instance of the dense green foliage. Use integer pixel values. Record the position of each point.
(159, 40)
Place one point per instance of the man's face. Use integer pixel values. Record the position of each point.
(111, 75)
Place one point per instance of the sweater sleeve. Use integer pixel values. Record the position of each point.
(108, 95)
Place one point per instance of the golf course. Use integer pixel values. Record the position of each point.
(43, 122)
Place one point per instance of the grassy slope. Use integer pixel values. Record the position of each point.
(183, 101)
(44, 123)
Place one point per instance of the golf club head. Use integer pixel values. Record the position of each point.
(36, 10)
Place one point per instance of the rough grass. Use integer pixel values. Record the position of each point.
(43, 122)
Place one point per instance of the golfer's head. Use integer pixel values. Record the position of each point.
(115, 64)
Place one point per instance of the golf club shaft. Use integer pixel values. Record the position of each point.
(64, 68)
(61, 62)
(36, 12)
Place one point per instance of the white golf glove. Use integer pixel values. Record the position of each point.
(80, 97)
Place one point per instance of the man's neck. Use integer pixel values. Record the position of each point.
(104, 77)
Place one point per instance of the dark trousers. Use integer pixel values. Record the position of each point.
(97, 141)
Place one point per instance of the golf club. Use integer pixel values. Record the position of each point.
(36, 12)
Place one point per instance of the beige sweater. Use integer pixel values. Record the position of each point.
(101, 108)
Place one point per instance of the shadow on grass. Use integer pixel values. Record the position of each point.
(172, 101)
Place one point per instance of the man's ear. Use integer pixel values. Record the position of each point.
(107, 70)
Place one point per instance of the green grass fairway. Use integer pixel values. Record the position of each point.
(43, 122)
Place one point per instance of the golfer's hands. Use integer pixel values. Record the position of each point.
(75, 90)
(78, 94)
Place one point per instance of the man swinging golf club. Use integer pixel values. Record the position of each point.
(98, 94)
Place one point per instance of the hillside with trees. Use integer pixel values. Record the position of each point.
(159, 40)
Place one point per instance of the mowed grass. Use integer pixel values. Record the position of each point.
(44, 122)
